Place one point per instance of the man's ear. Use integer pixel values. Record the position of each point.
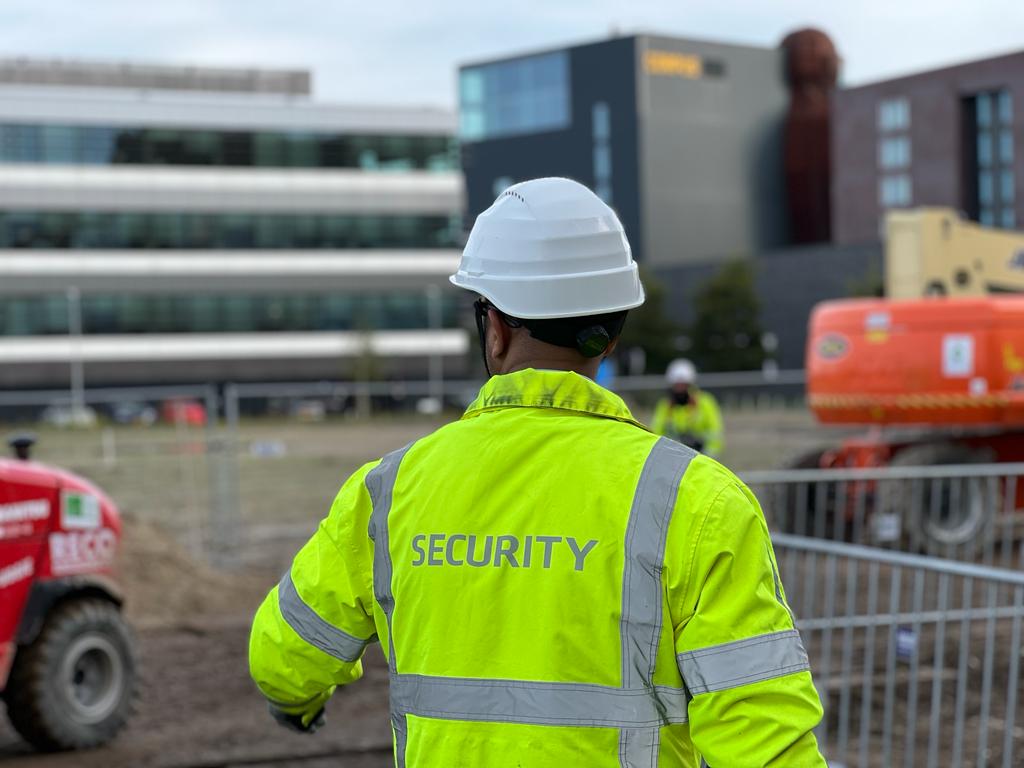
(497, 334)
(611, 347)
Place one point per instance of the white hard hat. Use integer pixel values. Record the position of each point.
(550, 248)
(681, 371)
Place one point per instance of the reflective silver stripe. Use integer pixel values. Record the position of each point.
(380, 483)
(639, 747)
(649, 517)
(520, 701)
(312, 628)
(778, 583)
(742, 662)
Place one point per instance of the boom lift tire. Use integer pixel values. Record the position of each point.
(949, 516)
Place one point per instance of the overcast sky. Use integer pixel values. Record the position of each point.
(406, 53)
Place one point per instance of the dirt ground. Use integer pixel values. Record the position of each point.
(197, 706)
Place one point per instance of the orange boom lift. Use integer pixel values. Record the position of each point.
(936, 368)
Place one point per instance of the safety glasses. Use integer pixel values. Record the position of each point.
(480, 309)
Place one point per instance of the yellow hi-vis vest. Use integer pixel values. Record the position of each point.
(701, 418)
(553, 585)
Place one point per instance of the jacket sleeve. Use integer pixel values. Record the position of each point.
(753, 701)
(310, 632)
(711, 425)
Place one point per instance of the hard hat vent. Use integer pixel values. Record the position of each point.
(516, 195)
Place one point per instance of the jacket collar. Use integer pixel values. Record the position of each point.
(562, 390)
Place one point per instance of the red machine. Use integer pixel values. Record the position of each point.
(953, 369)
(183, 411)
(67, 670)
(941, 379)
(937, 362)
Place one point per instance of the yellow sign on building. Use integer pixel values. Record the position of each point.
(673, 64)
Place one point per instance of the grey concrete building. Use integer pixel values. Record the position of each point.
(219, 225)
(948, 137)
(682, 137)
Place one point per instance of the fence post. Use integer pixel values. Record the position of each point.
(212, 403)
(108, 446)
(224, 497)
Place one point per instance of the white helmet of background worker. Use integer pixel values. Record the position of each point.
(550, 248)
(681, 372)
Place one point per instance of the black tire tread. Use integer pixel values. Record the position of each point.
(29, 708)
(931, 455)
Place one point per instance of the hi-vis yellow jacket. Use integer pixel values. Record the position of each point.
(701, 418)
(553, 586)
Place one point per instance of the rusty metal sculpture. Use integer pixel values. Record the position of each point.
(811, 68)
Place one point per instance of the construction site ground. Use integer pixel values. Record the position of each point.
(197, 706)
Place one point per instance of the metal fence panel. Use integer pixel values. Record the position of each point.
(969, 512)
(917, 659)
(179, 475)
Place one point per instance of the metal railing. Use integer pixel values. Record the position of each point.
(917, 659)
(968, 512)
(751, 389)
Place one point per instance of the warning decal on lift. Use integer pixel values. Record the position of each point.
(832, 346)
(957, 355)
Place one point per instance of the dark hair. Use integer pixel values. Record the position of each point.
(589, 335)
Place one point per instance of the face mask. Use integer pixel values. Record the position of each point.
(681, 398)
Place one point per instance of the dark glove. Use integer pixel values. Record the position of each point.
(298, 723)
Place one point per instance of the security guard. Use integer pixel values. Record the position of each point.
(552, 584)
(689, 415)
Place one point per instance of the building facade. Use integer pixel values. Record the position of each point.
(682, 137)
(214, 225)
(949, 137)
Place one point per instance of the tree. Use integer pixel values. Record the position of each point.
(726, 332)
(871, 285)
(649, 328)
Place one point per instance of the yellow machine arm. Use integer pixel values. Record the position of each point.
(934, 252)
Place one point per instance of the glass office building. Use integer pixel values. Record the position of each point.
(135, 145)
(189, 204)
(683, 138)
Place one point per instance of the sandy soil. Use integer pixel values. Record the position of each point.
(197, 705)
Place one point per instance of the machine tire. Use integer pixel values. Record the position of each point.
(74, 686)
(963, 534)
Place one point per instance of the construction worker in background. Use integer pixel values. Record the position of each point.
(552, 584)
(689, 415)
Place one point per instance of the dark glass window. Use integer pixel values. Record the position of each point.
(991, 191)
(88, 145)
(84, 229)
(512, 97)
(130, 314)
